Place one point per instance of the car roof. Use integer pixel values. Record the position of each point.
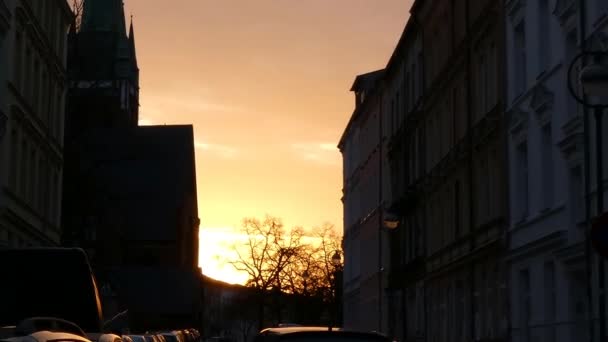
(283, 331)
(289, 330)
(43, 336)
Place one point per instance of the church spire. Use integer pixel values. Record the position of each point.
(104, 16)
(132, 42)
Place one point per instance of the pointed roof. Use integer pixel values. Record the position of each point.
(132, 42)
(104, 16)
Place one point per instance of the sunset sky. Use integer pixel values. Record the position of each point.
(266, 85)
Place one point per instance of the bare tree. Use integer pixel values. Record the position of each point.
(268, 252)
(283, 262)
(77, 9)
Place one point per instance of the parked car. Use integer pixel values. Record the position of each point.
(138, 338)
(49, 282)
(317, 334)
(47, 336)
(171, 337)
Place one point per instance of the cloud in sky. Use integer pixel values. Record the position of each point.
(146, 122)
(320, 152)
(224, 151)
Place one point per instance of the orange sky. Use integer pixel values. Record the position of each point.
(266, 85)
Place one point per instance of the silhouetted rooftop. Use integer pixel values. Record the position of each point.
(148, 173)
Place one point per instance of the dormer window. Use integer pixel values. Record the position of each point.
(360, 97)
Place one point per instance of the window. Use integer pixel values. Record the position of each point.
(411, 86)
(43, 187)
(602, 6)
(492, 77)
(55, 198)
(547, 166)
(44, 98)
(35, 99)
(457, 215)
(18, 61)
(482, 86)
(544, 48)
(420, 81)
(483, 190)
(32, 173)
(23, 170)
(520, 59)
(398, 110)
(28, 82)
(14, 161)
(576, 195)
(406, 85)
(522, 179)
(524, 305)
(571, 51)
(550, 299)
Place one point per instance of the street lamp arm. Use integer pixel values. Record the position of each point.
(571, 89)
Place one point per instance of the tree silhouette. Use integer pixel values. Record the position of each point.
(287, 264)
(77, 9)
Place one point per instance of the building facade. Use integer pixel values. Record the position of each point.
(465, 183)
(443, 175)
(130, 192)
(33, 38)
(363, 147)
(552, 188)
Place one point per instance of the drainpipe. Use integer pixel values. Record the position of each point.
(380, 203)
(587, 160)
(470, 168)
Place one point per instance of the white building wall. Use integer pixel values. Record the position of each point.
(553, 304)
(32, 93)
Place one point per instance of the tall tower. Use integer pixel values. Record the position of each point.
(103, 97)
(102, 71)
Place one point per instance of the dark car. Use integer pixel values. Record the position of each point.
(49, 282)
(317, 334)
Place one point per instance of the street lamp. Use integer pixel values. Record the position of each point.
(593, 79)
(336, 259)
(391, 220)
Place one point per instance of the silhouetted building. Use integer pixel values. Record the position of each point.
(448, 163)
(365, 245)
(130, 192)
(32, 92)
(440, 133)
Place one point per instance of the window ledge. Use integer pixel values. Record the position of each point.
(601, 21)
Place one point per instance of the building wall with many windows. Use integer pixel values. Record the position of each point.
(548, 267)
(365, 245)
(32, 89)
(448, 160)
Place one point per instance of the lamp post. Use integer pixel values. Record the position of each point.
(593, 80)
(391, 222)
(336, 261)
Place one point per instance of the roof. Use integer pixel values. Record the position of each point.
(367, 81)
(44, 336)
(290, 330)
(309, 333)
